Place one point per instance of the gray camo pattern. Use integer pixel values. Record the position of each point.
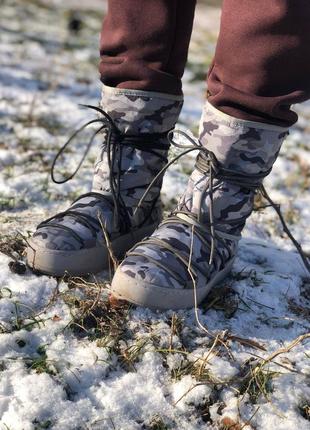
(238, 146)
(241, 146)
(137, 112)
(134, 115)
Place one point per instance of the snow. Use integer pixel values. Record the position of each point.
(48, 401)
(132, 368)
(187, 392)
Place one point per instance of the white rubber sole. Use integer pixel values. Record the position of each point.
(141, 293)
(84, 261)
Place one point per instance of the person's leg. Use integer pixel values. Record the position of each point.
(144, 44)
(262, 60)
(143, 52)
(244, 123)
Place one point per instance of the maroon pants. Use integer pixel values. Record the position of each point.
(261, 64)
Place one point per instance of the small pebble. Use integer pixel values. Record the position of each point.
(17, 267)
(21, 343)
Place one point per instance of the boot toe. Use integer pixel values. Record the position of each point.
(156, 273)
(143, 282)
(54, 252)
(54, 240)
(154, 291)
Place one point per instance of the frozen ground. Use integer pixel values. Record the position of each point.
(69, 359)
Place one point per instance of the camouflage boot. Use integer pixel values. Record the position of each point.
(195, 247)
(134, 149)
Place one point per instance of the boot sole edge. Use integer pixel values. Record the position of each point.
(148, 295)
(81, 262)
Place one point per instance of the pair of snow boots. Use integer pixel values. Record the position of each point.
(170, 263)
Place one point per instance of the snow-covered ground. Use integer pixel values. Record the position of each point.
(69, 359)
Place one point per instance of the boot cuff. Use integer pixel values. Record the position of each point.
(243, 146)
(135, 111)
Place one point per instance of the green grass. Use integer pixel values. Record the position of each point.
(40, 364)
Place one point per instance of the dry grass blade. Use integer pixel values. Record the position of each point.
(219, 338)
(176, 328)
(186, 392)
(113, 258)
(256, 381)
(248, 422)
(246, 342)
(292, 345)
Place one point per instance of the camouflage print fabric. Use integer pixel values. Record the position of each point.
(85, 237)
(242, 147)
(133, 112)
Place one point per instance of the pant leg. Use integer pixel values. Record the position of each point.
(262, 61)
(144, 44)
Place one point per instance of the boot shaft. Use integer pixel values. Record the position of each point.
(243, 148)
(148, 116)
